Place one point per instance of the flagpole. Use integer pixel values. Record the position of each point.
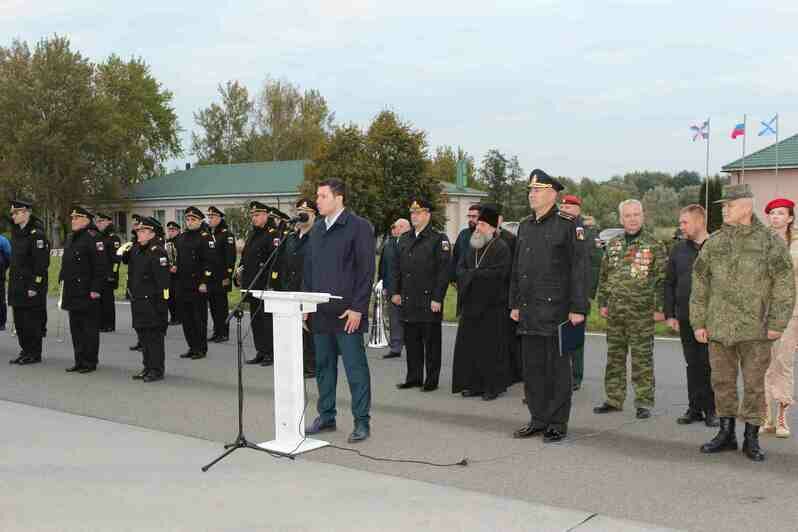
(745, 134)
(777, 147)
(706, 188)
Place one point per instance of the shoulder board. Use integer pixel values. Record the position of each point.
(155, 248)
(526, 218)
(567, 216)
(204, 233)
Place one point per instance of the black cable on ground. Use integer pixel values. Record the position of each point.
(463, 462)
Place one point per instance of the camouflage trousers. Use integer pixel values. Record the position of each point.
(726, 360)
(634, 336)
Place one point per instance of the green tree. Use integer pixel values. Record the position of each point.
(226, 135)
(688, 195)
(686, 178)
(714, 213)
(661, 205)
(647, 180)
(443, 164)
(494, 173)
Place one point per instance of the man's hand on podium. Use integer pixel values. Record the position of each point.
(352, 320)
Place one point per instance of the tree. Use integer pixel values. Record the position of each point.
(226, 130)
(688, 195)
(714, 210)
(443, 164)
(494, 173)
(647, 180)
(661, 205)
(685, 178)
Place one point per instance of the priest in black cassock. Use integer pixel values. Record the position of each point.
(481, 360)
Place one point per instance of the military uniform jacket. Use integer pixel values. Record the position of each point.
(632, 275)
(224, 262)
(84, 269)
(30, 259)
(149, 285)
(292, 261)
(743, 284)
(112, 243)
(195, 258)
(548, 277)
(421, 274)
(258, 247)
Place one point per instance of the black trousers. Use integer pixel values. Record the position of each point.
(3, 308)
(173, 302)
(220, 308)
(423, 347)
(194, 312)
(154, 355)
(547, 378)
(700, 395)
(84, 325)
(262, 328)
(30, 325)
(308, 348)
(107, 308)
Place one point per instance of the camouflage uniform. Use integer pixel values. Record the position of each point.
(743, 286)
(631, 284)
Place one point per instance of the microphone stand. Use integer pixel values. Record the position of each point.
(241, 441)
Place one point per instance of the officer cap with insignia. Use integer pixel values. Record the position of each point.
(306, 205)
(735, 192)
(21, 204)
(489, 214)
(136, 218)
(195, 212)
(173, 225)
(148, 222)
(421, 205)
(278, 213)
(77, 210)
(102, 216)
(257, 206)
(213, 210)
(571, 199)
(540, 179)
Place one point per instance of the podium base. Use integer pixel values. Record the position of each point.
(291, 448)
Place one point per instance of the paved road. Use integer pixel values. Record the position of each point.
(647, 471)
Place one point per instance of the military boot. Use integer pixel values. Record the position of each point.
(751, 443)
(725, 440)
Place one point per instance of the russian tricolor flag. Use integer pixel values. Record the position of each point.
(738, 131)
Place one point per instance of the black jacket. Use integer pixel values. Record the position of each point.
(292, 262)
(223, 258)
(340, 261)
(679, 279)
(385, 272)
(112, 242)
(548, 279)
(195, 258)
(30, 260)
(260, 243)
(484, 288)
(461, 247)
(149, 285)
(84, 269)
(422, 273)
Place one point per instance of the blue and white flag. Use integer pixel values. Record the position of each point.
(770, 127)
(700, 132)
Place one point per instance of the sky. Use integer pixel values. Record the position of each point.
(576, 88)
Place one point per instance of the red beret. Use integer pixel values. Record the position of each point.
(570, 199)
(779, 202)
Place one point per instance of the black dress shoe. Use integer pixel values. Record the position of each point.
(137, 347)
(74, 368)
(87, 369)
(107, 329)
(213, 338)
(553, 436)
(175, 322)
(392, 354)
(643, 413)
(529, 430)
(406, 385)
(429, 387)
(153, 376)
(260, 357)
(606, 408)
(197, 356)
(690, 416)
(489, 396)
(187, 354)
(19, 357)
(309, 374)
(139, 376)
(469, 393)
(267, 361)
(576, 387)
(29, 359)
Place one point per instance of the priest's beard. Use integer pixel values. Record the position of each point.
(479, 240)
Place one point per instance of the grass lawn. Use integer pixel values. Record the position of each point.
(595, 322)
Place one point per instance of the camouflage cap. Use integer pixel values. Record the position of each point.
(735, 192)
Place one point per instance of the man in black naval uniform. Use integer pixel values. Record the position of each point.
(421, 277)
(292, 264)
(223, 268)
(547, 289)
(149, 296)
(260, 243)
(195, 258)
(111, 242)
(27, 281)
(127, 250)
(84, 272)
(172, 232)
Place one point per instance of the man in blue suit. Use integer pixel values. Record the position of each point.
(385, 274)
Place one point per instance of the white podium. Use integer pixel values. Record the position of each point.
(287, 309)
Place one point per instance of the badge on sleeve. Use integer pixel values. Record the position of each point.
(231, 240)
(163, 261)
(580, 233)
(276, 242)
(100, 246)
(40, 244)
(166, 293)
(211, 244)
(116, 244)
(445, 245)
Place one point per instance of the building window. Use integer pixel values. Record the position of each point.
(160, 215)
(180, 215)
